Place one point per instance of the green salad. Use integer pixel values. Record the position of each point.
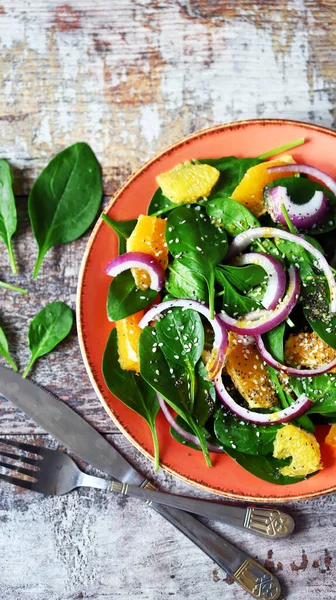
(224, 303)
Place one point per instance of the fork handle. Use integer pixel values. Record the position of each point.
(268, 522)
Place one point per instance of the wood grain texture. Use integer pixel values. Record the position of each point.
(130, 77)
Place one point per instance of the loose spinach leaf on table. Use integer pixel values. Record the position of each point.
(243, 278)
(8, 215)
(300, 191)
(65, 198)
(182, 337)
(184, 282)
(123, 230)
(232, 216)
(247, 437)
(48, 328)
(125, 298)
(131, 389)
(191, 235)
(170, 380)
(159, 204)
(232, 171)
(234, 303)
(4, 350)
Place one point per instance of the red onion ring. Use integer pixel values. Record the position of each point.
(328, 181)
(244, 239)
(291, 370)
(303, 216)
(189, 437)
(298, 408)
(138, 260)
(276, 285)
(260, 321)
(220, 345)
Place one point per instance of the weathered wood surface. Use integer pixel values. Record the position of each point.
(130, 77)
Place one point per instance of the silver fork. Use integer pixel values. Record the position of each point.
(52, 472)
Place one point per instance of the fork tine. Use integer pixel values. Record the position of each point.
(16, 481)
(22, 470)
(22, 445)
(20, 457)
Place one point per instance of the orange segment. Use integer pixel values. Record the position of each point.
(128, 332)
(148, 236)
(308, 350)
(188, 182)
(249, 375)
(250, 191)
(331, 437)
(302, 446)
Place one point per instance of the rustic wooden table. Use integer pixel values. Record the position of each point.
(130, 77)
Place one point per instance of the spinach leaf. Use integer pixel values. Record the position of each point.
(300, 191)
(184, 282)
(191, 235)
(232, 216)
(181, 335)
(275, 342)
(65, 198)
(243, 278)
(321, 389)
(123, 230)
(4, 350)
(315, 303)
(247, 437)
(286, 400)
(131, 389)
(8, 216)
(232, 171)
(159, 204)
(234, 303)
(125, 298)
(48, 328)
(265, 467)
(170, 380)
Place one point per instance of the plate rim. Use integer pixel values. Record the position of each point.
(99, 223)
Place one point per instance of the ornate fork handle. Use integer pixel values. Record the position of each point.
(268, 522)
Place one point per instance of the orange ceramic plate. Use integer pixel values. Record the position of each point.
(245, 138)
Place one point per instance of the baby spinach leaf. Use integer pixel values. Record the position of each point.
(243, 278)
(8, 216)
(125, 298)
(275, 342)
(4, 350)
(301, 190)
(247, 437)
(123, 230)
(265, 467)
(191, 235)
(131, 389)
(50, 326)
(232, 216)
(315, 303)
(234, 303)
(159, 204)
(232, 171)
(65, 198)
(184, 282)
(170, 380)
(286, 400)
(181, 335)
(321, 389)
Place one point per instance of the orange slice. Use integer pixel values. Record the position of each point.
(148, 236)
(188, 182)
(308, 350)
(128, 332)
(302, 446)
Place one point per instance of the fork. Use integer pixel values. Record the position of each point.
(53, 472)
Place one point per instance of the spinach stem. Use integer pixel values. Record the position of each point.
(11, 362)
(281, 149)
(287, 219)
(162, 211)
(28, 367)
(14, 288)
(211, 288)
(12, 258)
(38, 264)
(156, 448)
(203, 443)
(107, 220)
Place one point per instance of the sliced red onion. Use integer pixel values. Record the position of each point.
(298, 408)
(244, 239)
(328, 181)
(303, 216)
(276, 284)
(220, 345)
(138, 260)
(291, 370)
(260, 321)
(189, 437)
